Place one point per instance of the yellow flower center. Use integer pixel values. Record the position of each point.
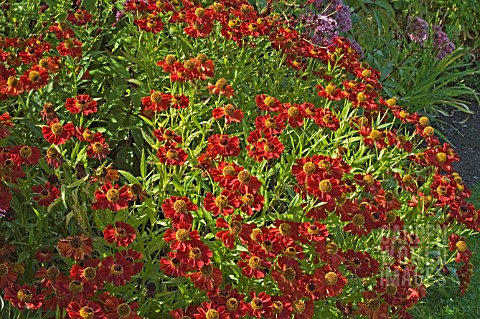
(195, 253)
(189, 65)
(221, 201)
(269, 101)
(200, 12)
(156, 97)
(392, 101)
(181, 235)
(298, 306)
(34, 76)
(325, 186)
(69, 44)
(332, 248)
(390, 217)
(75, 286)
(277, 307)
(180, 206)
(293, 111)
(25, 152)
(232, 304)
(461, 246)
(375, 135)
(367, 73)
(172, 154)
(229, 109)
(248, 199)
(12, 81)
(170, 59)
(254, 262)
(252, 27)
(256, 304)
(24, 295)
(57, 129)
(113, 195)
(429, 131)
(116, 269)
(87, 313)
(441, 157)
(330, 89)
(313, 230)
(97, 147)
(361, 97)
(368, 179)
(423, 121)
(331, 278)
(78, 15)
(290, 251)
(221, 84)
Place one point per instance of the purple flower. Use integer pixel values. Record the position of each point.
(418, 31)
(442, 43)
(343, 18)
(354, 45)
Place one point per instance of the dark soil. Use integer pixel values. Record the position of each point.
(463, 132)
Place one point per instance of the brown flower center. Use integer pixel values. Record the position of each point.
(244, 177)
(229, 109)
(76, 242)
(3, 270)
(390, 217)
(123, 310)
(116, 269)
(374, 304)
(75, 286)
(53, 272)
(285, 229)
(358, 220)
(207, 270)
(195, 253)
(289, 274)
(235, 227)
(391, 289)
(89, 273)
(69, 44)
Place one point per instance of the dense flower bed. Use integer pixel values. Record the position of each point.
(205, 160)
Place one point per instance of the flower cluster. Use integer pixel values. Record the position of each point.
(288, 187)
